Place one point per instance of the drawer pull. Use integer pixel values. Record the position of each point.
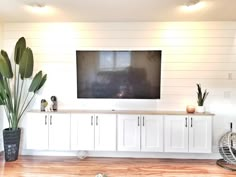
(97, 120)
(50, 120)
(45, 120)
(91, 120)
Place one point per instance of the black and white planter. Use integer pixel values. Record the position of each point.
(11, 139)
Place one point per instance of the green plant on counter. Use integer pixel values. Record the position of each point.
(201, 97)
(15, 92)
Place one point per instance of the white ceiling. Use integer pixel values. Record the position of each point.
(117, 11)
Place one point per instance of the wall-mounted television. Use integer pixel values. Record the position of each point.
(118, 74)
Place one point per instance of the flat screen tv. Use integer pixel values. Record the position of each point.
(118, 74)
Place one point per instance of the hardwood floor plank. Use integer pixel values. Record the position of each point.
(38, 166)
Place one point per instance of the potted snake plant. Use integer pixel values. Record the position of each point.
(16, 93)
(201, 97)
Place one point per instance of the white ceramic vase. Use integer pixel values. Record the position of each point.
(200, 109)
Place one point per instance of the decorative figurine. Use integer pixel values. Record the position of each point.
(53, 105)
(44, 104)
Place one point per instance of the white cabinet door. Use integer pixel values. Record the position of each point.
(200, 134)
(35, 127)
(128, 132)
(82, 132)
(152, 133)
(105, 132)
(59, 131)
(176, 133)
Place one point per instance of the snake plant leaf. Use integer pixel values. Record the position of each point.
(1, 99)
(26, 64)
(19, 49)
(36, 82)
(43, 80)
(5, 65)
(201, 95)
(1, 78)
(3, 94)
(3, 90)
(1, 84)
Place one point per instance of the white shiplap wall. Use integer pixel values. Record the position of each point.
(1, 117)
(193, 52)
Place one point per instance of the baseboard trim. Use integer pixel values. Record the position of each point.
(123, 154)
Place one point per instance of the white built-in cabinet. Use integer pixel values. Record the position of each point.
(152, 133)
(84, 131)
(184, 133)
(93, 132)
(200, 134)
(140, 132)
(46, 131)
(105, 132)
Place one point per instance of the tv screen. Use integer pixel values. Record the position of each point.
(118, 74)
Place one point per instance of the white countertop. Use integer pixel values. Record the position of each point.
(152, 112)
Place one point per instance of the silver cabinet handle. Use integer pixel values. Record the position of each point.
(97, 120)
(45, 122)
(50, 120)
(138, 121)
(91, 120)
(143, 121)
(186, 122)
(191, 122)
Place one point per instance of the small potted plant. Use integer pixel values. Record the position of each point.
(201, 97)
(16, 93)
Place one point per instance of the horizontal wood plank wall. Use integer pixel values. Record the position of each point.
(192, 52)
(1, 110)
(1, 127)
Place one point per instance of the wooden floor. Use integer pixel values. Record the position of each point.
(35, 166)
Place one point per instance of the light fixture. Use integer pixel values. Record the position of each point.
(38, 8)
(190, 3)
(193, 5)
(37, 5)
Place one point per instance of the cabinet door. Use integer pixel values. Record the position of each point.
(128, 132)
(59, 131)
(36, 131)
(82, 132)
(105, 132)
(152, 133)
(176, 133)
(200, 134)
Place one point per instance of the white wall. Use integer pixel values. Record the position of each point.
(1, 128)
(1, 111)
(193, 52)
